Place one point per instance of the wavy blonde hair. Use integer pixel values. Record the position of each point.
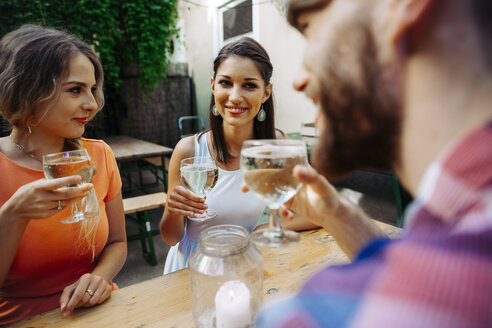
(34, 61)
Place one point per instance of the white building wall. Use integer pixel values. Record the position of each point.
(198, 35)
(284, 45)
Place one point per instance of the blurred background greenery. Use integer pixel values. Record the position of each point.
(133, 37)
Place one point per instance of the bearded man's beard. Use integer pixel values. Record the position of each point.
(361, 111)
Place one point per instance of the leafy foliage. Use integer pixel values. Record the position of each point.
(138, 32)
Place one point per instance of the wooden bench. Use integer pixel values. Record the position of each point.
(137, 211)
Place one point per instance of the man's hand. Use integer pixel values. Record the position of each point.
(316, 200)
(319, 202)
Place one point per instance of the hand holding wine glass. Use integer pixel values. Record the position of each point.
(267, 167)
(316, 200)
(39, 199)
(75, 162)
(199, 175)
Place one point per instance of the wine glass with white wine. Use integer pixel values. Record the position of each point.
(199, 175)
(267, 168)
(68, 163)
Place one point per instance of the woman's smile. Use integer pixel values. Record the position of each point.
(235, 110)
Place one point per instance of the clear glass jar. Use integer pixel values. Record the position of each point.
(226, 273)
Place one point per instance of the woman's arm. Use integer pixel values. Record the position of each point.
(180, 201)
(11, 232)
(109, 264)
(113, 255)
(35, 200)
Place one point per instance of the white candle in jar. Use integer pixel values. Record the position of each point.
(232, 305)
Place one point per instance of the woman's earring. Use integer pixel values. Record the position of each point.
(29, 129)
(215, 111)
(261, 114)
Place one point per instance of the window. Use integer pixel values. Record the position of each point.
(237, 20)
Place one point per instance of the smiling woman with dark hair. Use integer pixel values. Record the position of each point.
(241, 108)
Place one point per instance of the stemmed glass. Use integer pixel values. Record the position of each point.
(267, 167)
(74, 162)
(199, 175)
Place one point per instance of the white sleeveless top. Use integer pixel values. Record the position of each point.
(232, 206)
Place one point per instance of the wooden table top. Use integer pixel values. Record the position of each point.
(165, 301)
(127, 148)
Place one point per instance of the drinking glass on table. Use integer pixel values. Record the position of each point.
(267, 167)
(199, 175)
(74, 162)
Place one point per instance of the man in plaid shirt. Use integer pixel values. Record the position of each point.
(405, 84)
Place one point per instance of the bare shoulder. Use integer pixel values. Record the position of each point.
(184, 148)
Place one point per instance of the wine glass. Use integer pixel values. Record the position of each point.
(74, 162)
(267, 168)
(199, 175)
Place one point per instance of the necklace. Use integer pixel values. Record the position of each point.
(22, 149)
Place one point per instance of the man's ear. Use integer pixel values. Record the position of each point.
(403, 16)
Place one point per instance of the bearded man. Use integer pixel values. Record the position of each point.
(405, 84)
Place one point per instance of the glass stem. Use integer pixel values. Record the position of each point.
(75, 209)
(274, 220)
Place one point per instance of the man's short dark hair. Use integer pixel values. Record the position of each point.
(482, 10)
(296, 7)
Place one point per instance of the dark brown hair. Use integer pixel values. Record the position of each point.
(248, 48)
(481, 9)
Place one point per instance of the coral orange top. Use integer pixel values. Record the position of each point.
(49, 256)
